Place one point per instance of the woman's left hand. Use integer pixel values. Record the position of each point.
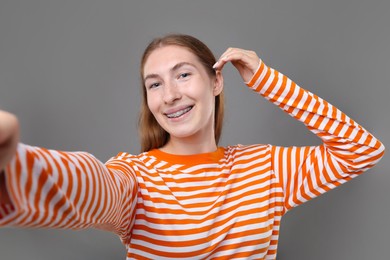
(245, 61)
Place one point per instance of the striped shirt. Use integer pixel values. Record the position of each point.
(225, 204)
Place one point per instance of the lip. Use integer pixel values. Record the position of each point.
(176, 109)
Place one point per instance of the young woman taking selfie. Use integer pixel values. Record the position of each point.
(184, 196)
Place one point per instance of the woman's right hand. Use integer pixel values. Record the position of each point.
(9, 137)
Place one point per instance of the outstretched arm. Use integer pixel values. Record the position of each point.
(55, 189)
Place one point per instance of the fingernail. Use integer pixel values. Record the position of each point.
(215, 65)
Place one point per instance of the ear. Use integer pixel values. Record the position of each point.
(218, 83)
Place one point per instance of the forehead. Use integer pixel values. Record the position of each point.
(166, 57)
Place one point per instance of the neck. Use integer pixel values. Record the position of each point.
(188, 146)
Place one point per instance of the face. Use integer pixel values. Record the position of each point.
(180, 93)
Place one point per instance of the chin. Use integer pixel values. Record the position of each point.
(181, 134)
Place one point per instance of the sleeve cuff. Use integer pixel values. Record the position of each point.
(257, 76)
(7, 207)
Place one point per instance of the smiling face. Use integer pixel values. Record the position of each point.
(181, 94)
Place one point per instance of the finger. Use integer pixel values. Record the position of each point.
(9, 137)
(226, 57)
(8, 125)
(238, 57)
(232, 50)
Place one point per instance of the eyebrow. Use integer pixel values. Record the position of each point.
(173, 69)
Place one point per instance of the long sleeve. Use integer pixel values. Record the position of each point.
(55, 189)
(306, 172)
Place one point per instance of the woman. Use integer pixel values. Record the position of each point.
(184, 197)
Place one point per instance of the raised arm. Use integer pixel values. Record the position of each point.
(306, 172)
(55, 189)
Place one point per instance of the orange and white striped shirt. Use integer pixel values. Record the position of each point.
(225, 204)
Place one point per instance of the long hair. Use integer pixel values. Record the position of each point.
(152, 135)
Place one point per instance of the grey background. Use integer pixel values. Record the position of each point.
(69, 70)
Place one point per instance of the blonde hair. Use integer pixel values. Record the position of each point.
(152, 135)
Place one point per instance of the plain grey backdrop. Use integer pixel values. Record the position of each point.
(69, 70)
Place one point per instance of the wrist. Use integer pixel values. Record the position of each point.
(258, 75)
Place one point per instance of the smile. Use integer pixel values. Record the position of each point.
(179, 113)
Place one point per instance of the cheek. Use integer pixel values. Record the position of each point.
(207, 96)
(152, 103)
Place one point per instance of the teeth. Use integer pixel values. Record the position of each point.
(179, 113)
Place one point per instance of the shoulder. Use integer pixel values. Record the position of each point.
(246, 150)
(127, 160)
(125, 156)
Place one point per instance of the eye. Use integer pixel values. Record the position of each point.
(154, 85)
(184, 75)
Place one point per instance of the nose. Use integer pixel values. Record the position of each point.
(171, 93)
